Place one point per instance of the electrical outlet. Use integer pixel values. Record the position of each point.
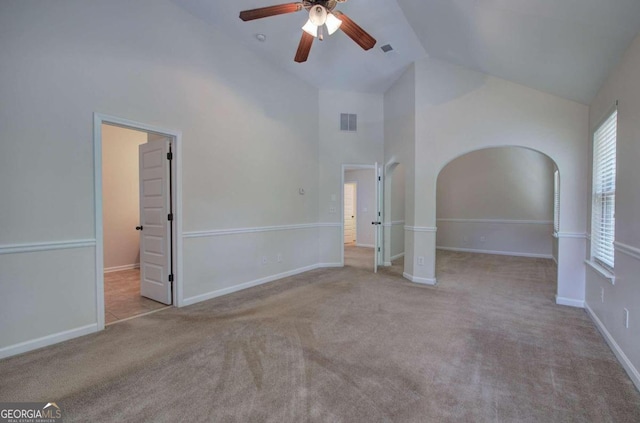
(264, 260)
(482, 239)
(420, 261)
(602, 295)
(279, 258)
(626, 318)
(332, 209)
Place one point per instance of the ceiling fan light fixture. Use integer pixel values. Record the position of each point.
(332, 23)
(310, 28)
(318, 15)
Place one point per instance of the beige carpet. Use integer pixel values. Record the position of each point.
(487, 344)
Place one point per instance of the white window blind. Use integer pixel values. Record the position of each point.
(604, 192)
(556, 201)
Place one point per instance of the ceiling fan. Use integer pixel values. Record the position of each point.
(321, 14)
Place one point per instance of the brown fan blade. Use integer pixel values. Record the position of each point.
(264, 12)
(304, 47)
(353, 30)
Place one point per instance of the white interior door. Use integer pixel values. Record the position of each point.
(349, 213)
(155, 223)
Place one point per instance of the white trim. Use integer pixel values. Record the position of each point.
(627, 250)
(329, 225)
(555, 260)
(250, 284)
(397, 256)
(120, 268)
(500, 221)
(47, 340)
(221, 232)
(46, 246)
(578, 235)
(620, 355)
(605, 273)
(421, 228)
(422, 281)
(498, 253)
(365, 245)
(387, 264)
(569, 302)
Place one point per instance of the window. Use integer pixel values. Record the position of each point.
(604, 192)
(556, 201)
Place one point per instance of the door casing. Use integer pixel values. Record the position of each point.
(176, 185)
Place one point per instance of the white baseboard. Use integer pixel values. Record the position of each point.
(324, 265)
(499, 253)
(250, 284)
(45, 341)
(569, 302)
(555, 260)
(397, 256)
(387, 264)
(423, 281)
(119, 268)
(620, 355)
(364, 245)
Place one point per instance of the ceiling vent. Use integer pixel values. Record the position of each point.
(386, 48)
(348, 122)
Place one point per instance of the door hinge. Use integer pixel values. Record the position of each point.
(378, 249)
(169, 155)
(378, 213)
(379, 178)
(171, 277)
(170, 217)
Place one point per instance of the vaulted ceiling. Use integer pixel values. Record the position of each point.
(564, 47)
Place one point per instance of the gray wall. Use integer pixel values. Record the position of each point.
(65, 60)
(121, 196)
(497, 200)
(605, 300)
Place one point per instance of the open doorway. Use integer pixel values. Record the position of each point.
(137, 219)
(497, 211)
(360, 212)
(121, 205)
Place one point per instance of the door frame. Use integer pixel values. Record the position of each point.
(176, 185)
(355, 207)
(346, 167)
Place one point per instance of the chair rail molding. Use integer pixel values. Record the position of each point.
(46, 246)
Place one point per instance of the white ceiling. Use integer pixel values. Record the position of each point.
(565, 47)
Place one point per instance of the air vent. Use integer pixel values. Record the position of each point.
(386, 48)
(348, 122)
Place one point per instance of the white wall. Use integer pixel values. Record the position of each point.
(622, 85)
(250, 141)
(365, 204)
(364, 147)
(497, 200)
(458, 111)
(399, 150)
(120, 196)
(395, 212)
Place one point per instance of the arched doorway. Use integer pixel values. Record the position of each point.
(499, 201)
